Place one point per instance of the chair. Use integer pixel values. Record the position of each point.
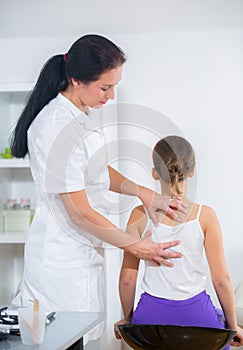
(168, 337)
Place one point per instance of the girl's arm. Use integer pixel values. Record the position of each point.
(219, 272)
(84, 216)
(150, 199)
(129, 269)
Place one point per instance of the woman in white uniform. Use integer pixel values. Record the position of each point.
(64, 250)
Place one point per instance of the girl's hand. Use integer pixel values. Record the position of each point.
(238, 338)
(154, 252)
(116, 331)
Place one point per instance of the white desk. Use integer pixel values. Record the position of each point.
(67, 329)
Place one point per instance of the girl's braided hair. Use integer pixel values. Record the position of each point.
(173, 159)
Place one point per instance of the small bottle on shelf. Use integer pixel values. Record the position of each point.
(11, 204)
(25, 203)
(17, 216)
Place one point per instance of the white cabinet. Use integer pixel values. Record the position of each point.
(15, 182)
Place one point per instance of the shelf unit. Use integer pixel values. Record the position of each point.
(15, 182)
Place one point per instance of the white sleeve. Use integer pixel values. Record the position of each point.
(66, 162)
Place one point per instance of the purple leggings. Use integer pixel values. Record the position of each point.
(196, 311)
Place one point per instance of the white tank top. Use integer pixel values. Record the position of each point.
(187, 278)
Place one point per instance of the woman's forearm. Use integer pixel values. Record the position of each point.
(93, 222)
(83, 215)
(120, 184)
(150, 199)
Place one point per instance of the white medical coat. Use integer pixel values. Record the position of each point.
(63, 264)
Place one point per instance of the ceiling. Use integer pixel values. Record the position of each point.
(48, 18)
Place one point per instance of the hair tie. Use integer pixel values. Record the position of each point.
(65, 57)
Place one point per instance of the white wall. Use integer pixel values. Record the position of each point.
(194, 79)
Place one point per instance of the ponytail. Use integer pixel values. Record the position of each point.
(51, 81)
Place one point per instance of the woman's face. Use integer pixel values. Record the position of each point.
(98, 92)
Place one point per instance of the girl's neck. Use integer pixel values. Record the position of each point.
(173, 190)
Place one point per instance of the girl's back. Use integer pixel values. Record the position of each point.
(187, 278)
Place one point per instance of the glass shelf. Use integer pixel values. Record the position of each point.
(14, 163)
(12, 237)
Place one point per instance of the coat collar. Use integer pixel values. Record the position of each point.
(87, 120)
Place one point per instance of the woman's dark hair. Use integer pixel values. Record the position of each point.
(173, 159)
(88, 58)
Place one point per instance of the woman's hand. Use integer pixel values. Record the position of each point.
(155, 202)
(148, 250)
(150, 199)
(116, 331)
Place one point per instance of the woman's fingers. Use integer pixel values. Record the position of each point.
(165, 256)
(161, 261)
(169, 211)
(154, 252)
(173, 215)
(176, 203)
(169, 205)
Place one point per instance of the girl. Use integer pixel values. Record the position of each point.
(177, 296)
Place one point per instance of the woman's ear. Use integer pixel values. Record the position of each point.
(75, 81)
(155, 174)
(192, 174)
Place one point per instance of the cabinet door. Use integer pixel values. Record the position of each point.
(11, 271)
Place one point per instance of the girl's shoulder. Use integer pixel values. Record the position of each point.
(208, 216)
(207, 211)
(198, 211)
(138, 218)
